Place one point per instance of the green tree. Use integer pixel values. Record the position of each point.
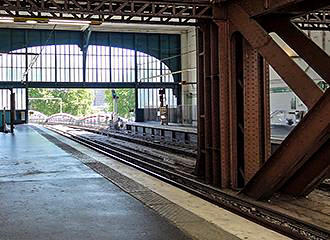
(126, 101)
(77, 102)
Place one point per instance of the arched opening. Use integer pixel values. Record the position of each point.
(62, 66)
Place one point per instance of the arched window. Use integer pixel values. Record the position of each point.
(64, 63)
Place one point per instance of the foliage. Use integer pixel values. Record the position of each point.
(126, 101)
(77, 102)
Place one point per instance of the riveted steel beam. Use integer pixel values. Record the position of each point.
(317, 58)
(224, 97)
(312, 173)
(200, 163)
(215, 108)
(19, 84)
(294, 153)
(256, 111)
(207, 102)
(259, 39)
(139, 11)
(258, 8)
(12, 110)
(318, 20)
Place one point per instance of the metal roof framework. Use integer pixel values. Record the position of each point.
(175, 12)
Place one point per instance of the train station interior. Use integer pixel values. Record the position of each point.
(164, 120)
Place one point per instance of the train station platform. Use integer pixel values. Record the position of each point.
(169, 127)
(54, 188)
(173, 131)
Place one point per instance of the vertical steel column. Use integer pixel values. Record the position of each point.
(84, 52)
(237, 111)
(254, 113)
(26, 80)
(223, 31)
(26, 104)
(215, 113)
(12, 110)
(200, 164)
(136, 89)
(207, 103)
(265, 107)
(3, 119)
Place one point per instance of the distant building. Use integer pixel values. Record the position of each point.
(99, 102)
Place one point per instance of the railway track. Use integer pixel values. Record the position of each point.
(179, 148)
(267, 217)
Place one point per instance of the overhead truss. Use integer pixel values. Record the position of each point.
(184, 12)
(145, 11)
(319, 20)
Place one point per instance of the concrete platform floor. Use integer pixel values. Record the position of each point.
(46, 193)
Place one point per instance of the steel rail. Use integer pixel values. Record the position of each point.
(275, 142)
(262, 215)
(125, 137)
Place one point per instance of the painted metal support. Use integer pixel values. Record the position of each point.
(27, 105)
(6, 84)
(237, 81)
(261, 8)
(207, 102)
(141, 11)
(224, 95)
(256, 112)
(26, 81)
(215, 108)
(3, 120)
(136, 89)
(315, 57)
(12, 110)
(200, 163)
(233, 107)
(317, 21)
(312, 173)
(259, 39)
(85, 36)
(295, 151)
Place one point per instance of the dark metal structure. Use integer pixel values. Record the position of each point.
(143, 11)
(234, 52)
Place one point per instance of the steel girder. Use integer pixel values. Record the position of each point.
(294, 8)
(319, 20)
(234, 137)
(315, 56)
(292, 74)
(305, 14)
(301, 160)
(288, 169)
(18, 84)
(231, 148)
(139, 11)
